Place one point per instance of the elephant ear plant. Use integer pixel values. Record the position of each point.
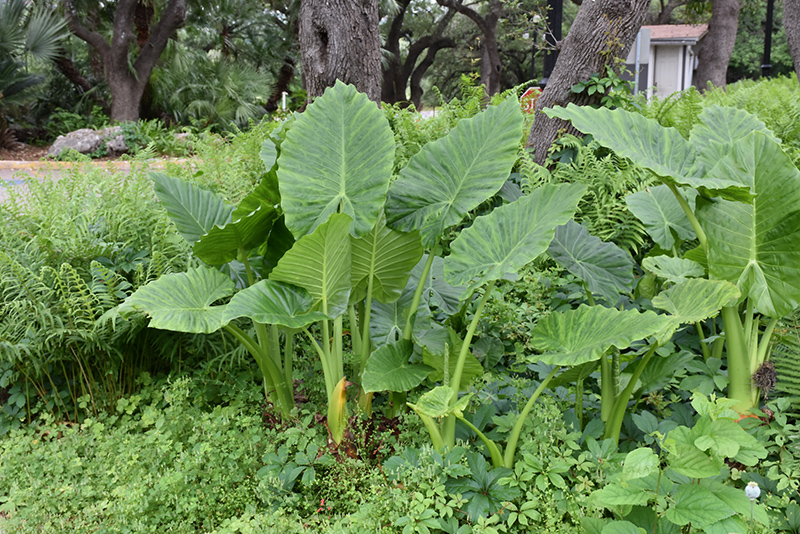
(325, 229)
(731, 187)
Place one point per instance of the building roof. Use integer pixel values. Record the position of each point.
(677, 33)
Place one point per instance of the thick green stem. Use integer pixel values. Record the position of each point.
(423, 279)
(739, 385)
(355, 335)
(513, 437)
(614, 423)
(337, 348)
(703, 344)
(608, 395)
(324, 360)
(288, 356)
(272, 373)
(449, 424)
(455, 380)
(763, 345)
(366, 343)
(491, 446)
(701, 235)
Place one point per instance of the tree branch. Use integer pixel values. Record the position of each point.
(94, 39)
(171, 19)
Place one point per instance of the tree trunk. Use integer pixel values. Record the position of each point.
(126, 85)
(791, 21)
(603, 31)
(714, 51)
(340, 40)
(491, 65)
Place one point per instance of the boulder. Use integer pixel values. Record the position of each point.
(87, 141)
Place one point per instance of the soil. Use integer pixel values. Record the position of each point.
(34, 153)
(25, 153)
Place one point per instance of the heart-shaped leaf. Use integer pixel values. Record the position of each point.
(182, 302)
(453, 175)
(272, 302)
(194, 211)
(674, 270)
(662, 215)
(385, 257)
(388, 369)
(755, 245)
(606, 268)
(223, 243)
(585, 334)
(511, 236)
(337, 158)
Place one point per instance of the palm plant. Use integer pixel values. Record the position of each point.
(26, 32)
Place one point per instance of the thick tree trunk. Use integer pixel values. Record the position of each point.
(791, 21)
(714, 51)
(603, 31)
(340, 40)
(127, 87)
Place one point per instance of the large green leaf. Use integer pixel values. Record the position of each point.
(438, 402)
(659, 211)
(223, 243)
(388, 369)
(661, 150)
(194, 211)
(387, 321)
(266, 196)
(511, 236)
(272, 302)
(674, 270)
(182, 302)
(697, 299)
(320, 263)
(755, 245)
(337, 158)
(720, 128)
(606, 268)
(386, 257)
(585, 334)
(453, 175)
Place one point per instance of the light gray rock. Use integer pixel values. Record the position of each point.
(87, 141)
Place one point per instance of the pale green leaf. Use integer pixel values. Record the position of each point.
(511, 236)
(453, 175)
(386, 257)
(640, 463)
(194, 211)
(388, 369)
(336, 158)
(272, 302)
(661, 150)
(585, 334)
(662, 215)
(674, 270)
(437, 402)
(697, 505)
(183, 302)
(755, 245)
(320, 263)
(696, 299)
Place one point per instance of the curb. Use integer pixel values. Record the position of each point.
(64, 165)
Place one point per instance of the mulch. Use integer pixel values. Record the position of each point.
(24, 153)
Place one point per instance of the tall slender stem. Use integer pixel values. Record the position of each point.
(614, 423)
(701, 235)
(513, 438)
(739, 386)
(408, 331)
